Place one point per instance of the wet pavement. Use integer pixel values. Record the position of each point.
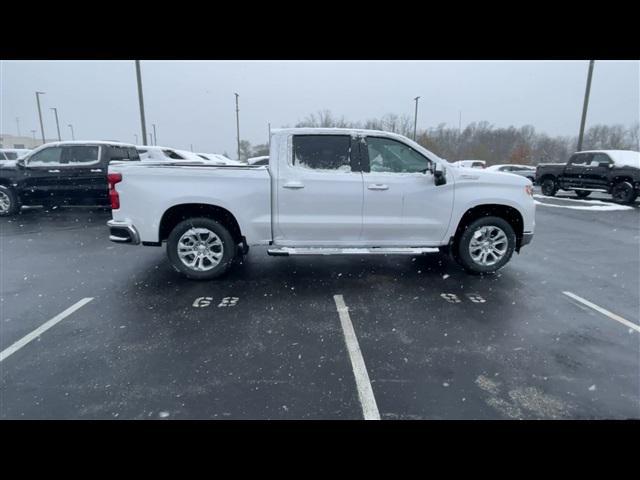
(266, 341)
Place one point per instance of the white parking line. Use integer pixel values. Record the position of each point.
(42, 328)
(612, 316)
(365, 392)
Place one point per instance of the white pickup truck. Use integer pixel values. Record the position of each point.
(325, 192)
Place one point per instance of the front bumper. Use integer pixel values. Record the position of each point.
(123, 232)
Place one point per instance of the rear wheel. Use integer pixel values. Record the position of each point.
(9, 201)
(549, 187)
(486, 245)
(582, 193)
(623, 192)
(201, 248)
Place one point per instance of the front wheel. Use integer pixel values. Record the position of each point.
(201, 248)
(9, 201)
(549, 187)
(623, 192)
(486, 245)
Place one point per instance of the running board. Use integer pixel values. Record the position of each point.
(286, 251)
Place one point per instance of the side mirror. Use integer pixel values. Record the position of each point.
(439, 174)
(20, 163)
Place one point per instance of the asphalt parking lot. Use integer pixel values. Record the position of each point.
(545, 338)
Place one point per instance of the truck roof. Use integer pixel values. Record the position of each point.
(628, 158)
(88, 142)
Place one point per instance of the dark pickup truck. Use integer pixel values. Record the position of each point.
(616, 172)
(61, 173)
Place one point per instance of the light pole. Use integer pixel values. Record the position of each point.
(40, 114)
(73, 137)
(33, 132)
(55, 110)
(141, 101)
(155, 137)
(18, 124)
(238, 124)
(136, 135)
(415, 119)
(585, 105)
(460, 123)
(269, 137)
(150, 139)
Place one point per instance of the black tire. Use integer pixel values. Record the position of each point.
(464, 256)
(9, 201)
(228, 249)
(623, 192)
(582, 193)
(549, 187)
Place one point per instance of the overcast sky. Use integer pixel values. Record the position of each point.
(194, 103)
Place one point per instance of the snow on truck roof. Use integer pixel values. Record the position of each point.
(622, 158)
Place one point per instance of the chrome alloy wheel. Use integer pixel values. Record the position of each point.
(5, 202)
(200, 249)
(488, 245)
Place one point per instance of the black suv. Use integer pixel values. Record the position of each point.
(61, 173)
(612, 171)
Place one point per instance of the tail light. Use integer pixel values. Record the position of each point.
(114, 178)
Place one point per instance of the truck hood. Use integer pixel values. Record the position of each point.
(464, 175)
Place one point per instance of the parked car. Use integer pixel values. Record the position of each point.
(153, 153)
(61, 173)
(470, 163)
(526, 171)
(616, 172)
(218, 158)
(327, 192)
(264, 160)
(12, 153)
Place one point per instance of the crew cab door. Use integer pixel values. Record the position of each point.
(598, 171)
(575, 172)
(45, 177)
(402, 204)
(86, 173)
(319, 192)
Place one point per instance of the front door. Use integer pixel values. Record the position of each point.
(45, 178)
(318, 192)
(402, 204)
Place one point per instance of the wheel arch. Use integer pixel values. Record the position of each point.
(184, 211)
(508, 213)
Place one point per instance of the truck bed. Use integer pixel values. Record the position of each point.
(150, 190)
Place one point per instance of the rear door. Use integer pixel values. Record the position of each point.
(576, 170)
(319, 192)
(88, 174)
(402, 204)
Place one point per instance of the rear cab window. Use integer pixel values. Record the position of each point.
(80, 155)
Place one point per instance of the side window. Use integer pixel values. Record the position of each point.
(48, 156)
(579, 160)
(599, 158)
(80, 154)
(133, 153)
(172, 154)
(505, 169)
(387, 155)
(11, 155)
(322, 152)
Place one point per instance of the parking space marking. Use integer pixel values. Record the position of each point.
(42, 328)
(365, 392)
(450, 297)
(609, 314)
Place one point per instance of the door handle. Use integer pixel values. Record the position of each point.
(378, 186)
(96, 170)
(54, 171)
(293, 185)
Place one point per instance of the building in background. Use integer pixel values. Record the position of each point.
(13, 141)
